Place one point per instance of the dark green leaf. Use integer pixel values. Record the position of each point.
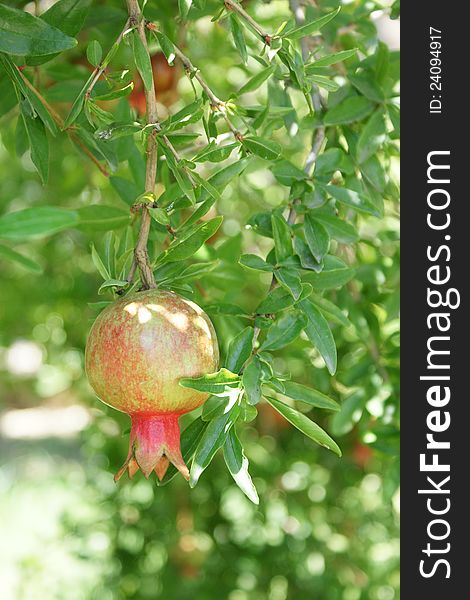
(331, 59)
(284, 331)
(252, 380)
(279, 298)
(237, 464)
(142, 60)
(290, 280)
(238, 37)
(213, 153)
(239, 350)
(282, 238)
(305, 425)
(311, 28)
(366, 85)
(94, 53)
(372, 136)
(213, 383)
(167, 46)
(213, 438)
(38, 142)
(353, 108)
(22, 34)
(67, 15)
(102, 218)
(337, 228)
(185, 248)
(184, 7)
(329, 309)
(352, 199)
(36, 222)
(287, 173)
(334, 274)
(319, 333)
(257, 80)
(266, 149)
(255, 262)
(112, 283)
(317, 237)
(296, 391)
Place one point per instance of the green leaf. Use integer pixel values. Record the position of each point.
(319, 333)
(21, 34)
(305, 425)
(212, 439)
(38, 142)
(22, 260)
(366, 85)
(284, 331)
(257, 80)
(324, 82)
(166, 46)
(213, 383)
(331, 59)
(330, 310)
(112, 283)
(102, 270)
(94, 53)
(255, 262)
(279, 298)
(115, 94)
(213, 153)
(372, 136)
(290, 280)
(252, 380)
(311, 28)
(334, 274)
(296, 391)
(67, 15)
(238, 37)
(352, 199)
(190, 439)
(159, 215)
(142, 60)
(305, 255)
(102, 218)
(237, 464)
(351, 109)
(263, 148)
(317, 237)
(185, 248)
(36, 222)
(287, 173)
(36, 103)
(282, 238)
(337, 228)
(184, 7)
(239, 350)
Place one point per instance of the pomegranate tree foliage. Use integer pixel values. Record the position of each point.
(274, 208)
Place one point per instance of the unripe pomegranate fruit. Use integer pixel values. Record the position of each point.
(138, 349)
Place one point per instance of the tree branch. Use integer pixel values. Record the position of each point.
(141, 257)
(237, 8)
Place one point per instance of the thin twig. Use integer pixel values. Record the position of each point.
(100, 69)
(236, 7)
(192, 71)
(141, 257)
(60, 122)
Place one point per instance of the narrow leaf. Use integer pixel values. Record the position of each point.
(237, 464)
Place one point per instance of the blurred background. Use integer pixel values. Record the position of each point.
(326, 528)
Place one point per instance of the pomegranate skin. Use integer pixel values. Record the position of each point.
(138, 349)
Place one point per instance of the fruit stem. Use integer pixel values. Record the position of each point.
(141, 257)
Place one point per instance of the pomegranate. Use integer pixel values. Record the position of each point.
(137, 350)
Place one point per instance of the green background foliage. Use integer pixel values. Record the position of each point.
(276, 210)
